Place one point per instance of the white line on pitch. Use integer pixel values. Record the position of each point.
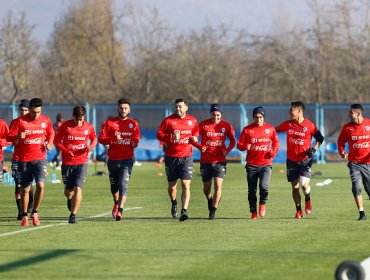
(62, 223)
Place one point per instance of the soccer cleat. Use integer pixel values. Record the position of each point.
(174, 210)
(24, 221)
(362, 216)
(69, 204)
(72, 220)
(184, 216)
(262, 210)
(119, 216)
(211, 215)
(35, 219)
(114, 211)
(308, 207)
(299, 214)
(254, 216)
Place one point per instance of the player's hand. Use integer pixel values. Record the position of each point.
(87, 149)
(22, 135)
(71, 153)
(272, 154)
(310, 152)
(194, 139)
(344, 155)
(48, 146)
(176, 135)
(224, 152)
(133, 144)
(204, 148)
(249, 146)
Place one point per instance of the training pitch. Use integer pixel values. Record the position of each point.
(149, 244)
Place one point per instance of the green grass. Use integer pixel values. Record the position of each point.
(149, 244)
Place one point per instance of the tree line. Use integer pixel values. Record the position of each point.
(97, 53)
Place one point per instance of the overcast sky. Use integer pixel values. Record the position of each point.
(257, 16)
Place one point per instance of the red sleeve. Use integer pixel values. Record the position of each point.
(13, 132)
(103, 137)
(195, 131)
(59, 137)
(242, 142)
(93, 139)
(50, 132)
(282, 127)
(3, 134)
(231, 136)
(136, 136)
(162, 132)
(275, 142)
(342, 139)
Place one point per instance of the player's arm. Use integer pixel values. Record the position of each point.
(4, 132)
(231, 135)
(59, 139)
(275, 144)
(136, 136)
(319, 140)
(243, 144)
(50, 135)
(162, 134)
(93, 139)
(342, 139)
(14, 132)
(104, 137)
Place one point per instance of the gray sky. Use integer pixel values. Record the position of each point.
(257, 16)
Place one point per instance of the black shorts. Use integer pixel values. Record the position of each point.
(74, 175)
(210, 170)
(32, 170)
(119, 175)
(179, 168)
(1, 171)
(297, 169)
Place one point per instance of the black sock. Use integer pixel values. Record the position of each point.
(24, 214)
(298, 207)
(307, 197)
(116, 202)
(213, 209)
(174, 202)
(72, 215)
(183, 210)
(34, 211)
(120, 210)
(18, 201)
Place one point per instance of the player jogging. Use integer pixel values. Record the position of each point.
(357, 134)
(214, 132)
(300, 132)
(75, 139)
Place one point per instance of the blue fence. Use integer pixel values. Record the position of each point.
(329, 118)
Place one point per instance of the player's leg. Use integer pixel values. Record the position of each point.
(252, 179)
(264, 182)
(123, 180)
(78, 177)
(113, 170)
(218, 173)
(365, 174)
(293, 170)
(17, 188)
(185, 174)
(304, 181)
(206, 173)
(355, 173)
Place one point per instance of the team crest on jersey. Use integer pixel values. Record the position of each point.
(86, 132)
(43, 125)
(223, 129)
(190, 122)
(130, 125)
(304, 129)
(367, 128)
(267, 131)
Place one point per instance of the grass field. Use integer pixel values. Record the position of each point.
(149, 244)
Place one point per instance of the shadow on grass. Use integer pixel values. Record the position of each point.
(35, 259)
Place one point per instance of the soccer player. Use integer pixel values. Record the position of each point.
(122, 134)
(23, 110)
(35, 134)
(75, 138)
(261, 142)
(214, 132)
(357, 134)
(55, 162)
(4, 129)
(179, 131)
(300, 132)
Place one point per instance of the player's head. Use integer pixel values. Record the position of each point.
(259, 115)
(59, 117)
(296, 110)
(79, 113)
(23, 107)
(35, 108)
(181, 107)
(355, 113)
(216, 113)
(123, 107)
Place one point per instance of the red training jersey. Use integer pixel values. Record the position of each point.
(358, 138)
(261, 142)
(4, 130)
(38, 133)
(187, 126)
(74, 138)
(127, 129)
(213, 138)
(15, 145)
(299, 138)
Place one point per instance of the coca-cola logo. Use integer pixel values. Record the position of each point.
(217, 143)
(33, 141)
(263, 148)
(76, 147)
(123, 142)
(296, 141)
(361, 145)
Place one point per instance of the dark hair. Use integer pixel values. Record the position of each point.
(59, 117)
(123, 101)
(298, 104)
(35, 102)
(79, 110)
(178, 100)
(357, 107)
(24, 103)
